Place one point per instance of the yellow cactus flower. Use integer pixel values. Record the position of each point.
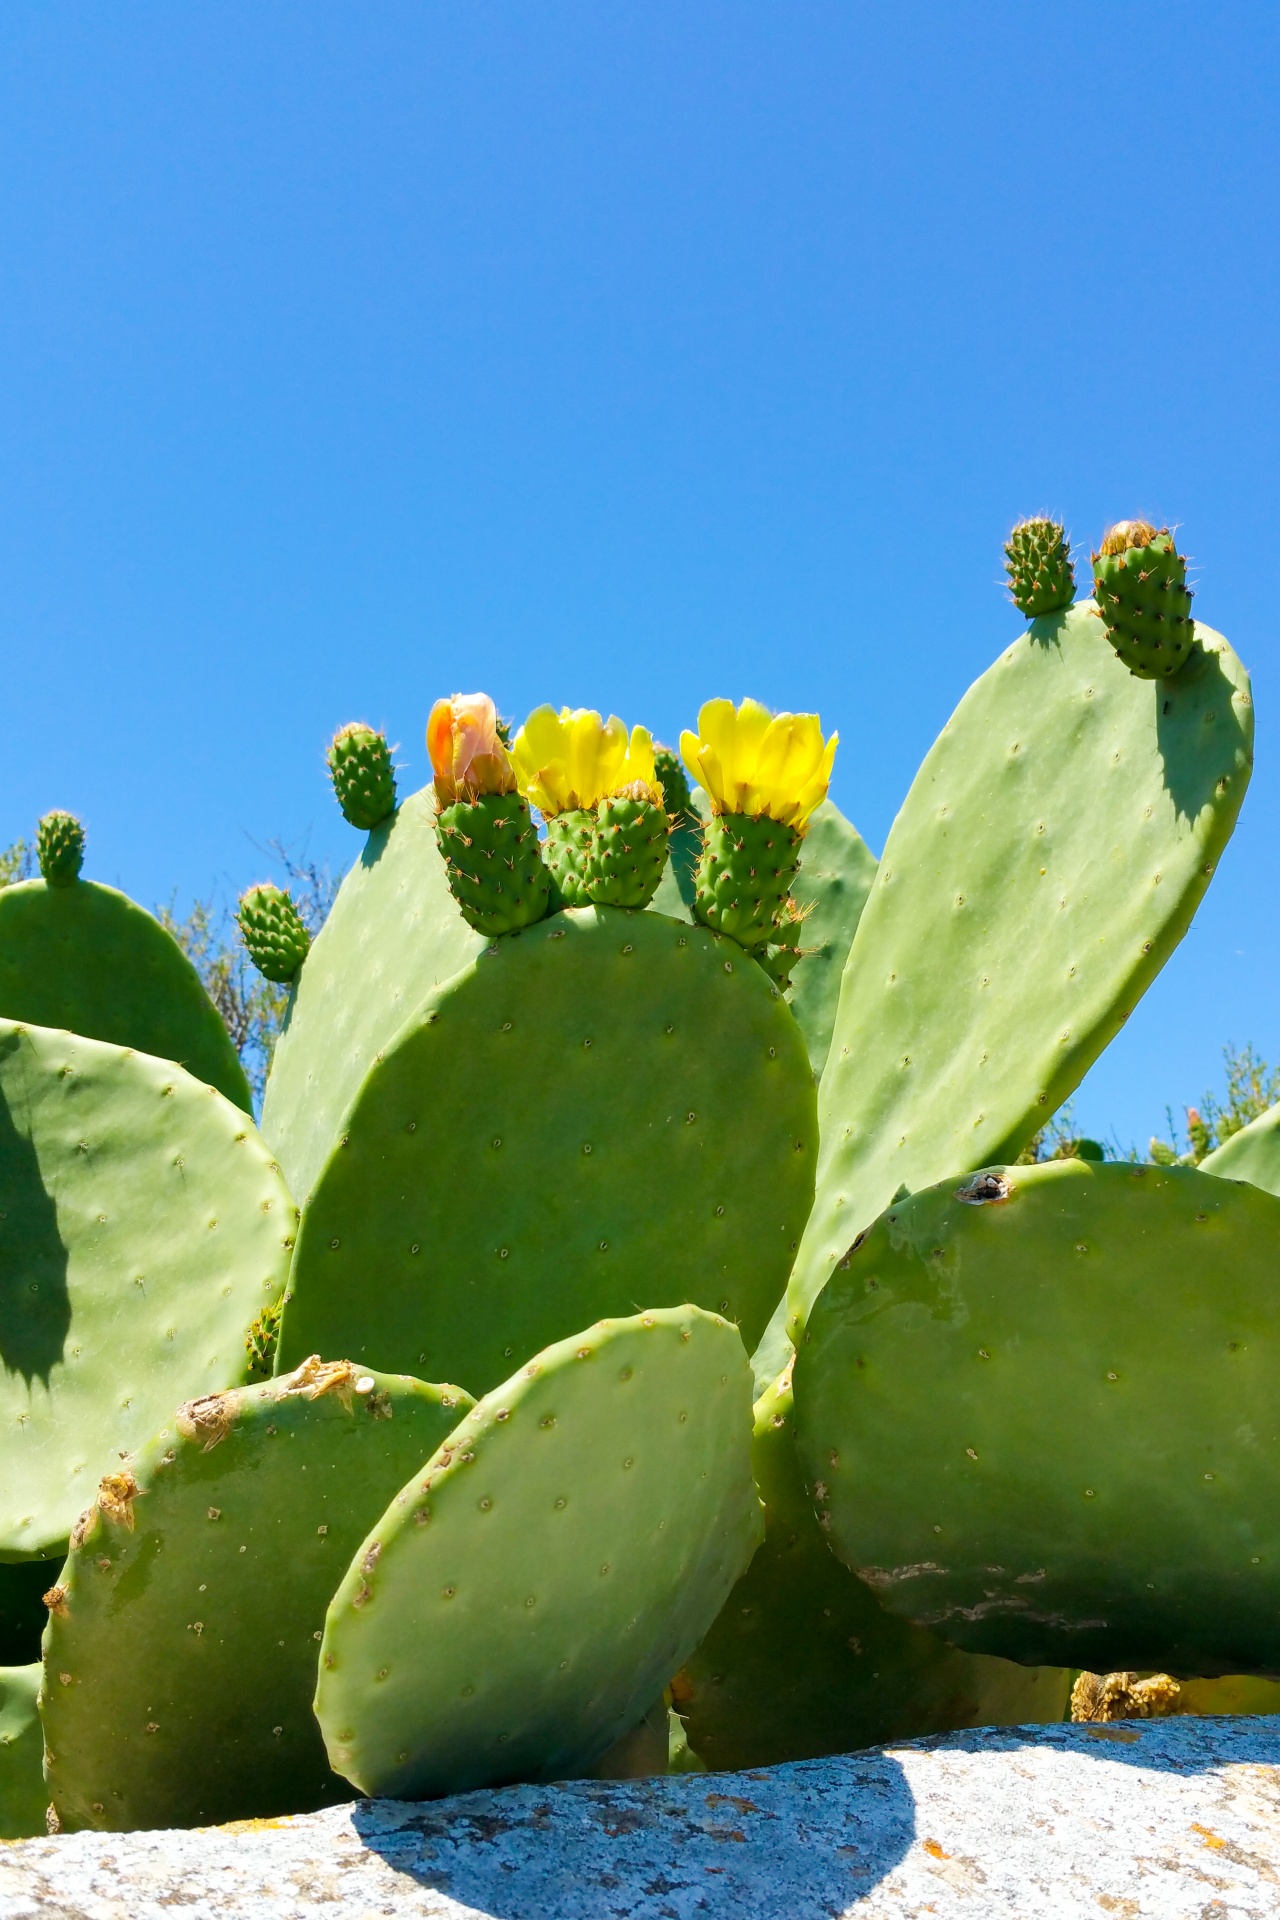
(752, 761)
(467, 754)
(574, 759)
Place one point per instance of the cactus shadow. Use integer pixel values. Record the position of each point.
(1201, 694)
(1181, 1744)
(808, 1839)
(35, 1305)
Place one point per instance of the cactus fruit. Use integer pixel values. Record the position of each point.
(273, 931)
(86, 958)
(744, 877)
(1089, 1477)
(567, 852)
(522, 1602)
(615, 1106)
(628, 853)
(1252, 1154)
(486, 835)
(1038, 563)
(1046, 862)
(1140, 584)
(23, 1799)
(670, 775)
(598, 791)
(192, 1602)
(803, 1660)
(60, 849)
(142, 1224)
(261, 1341)
(393, 934)
(836, 873)
(364, 779)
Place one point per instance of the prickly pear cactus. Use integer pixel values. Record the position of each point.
(60, 849)
(744, 877)
(364, 779)
(195, 1592)
(1089, 1477)
(142, 1226)
(490, 850)
(23, 1799)
(1046, 862)
(804, 1661)
(1140, 583)
(628, 853)
(273, 931)
(613, 1106)
(1253, 1154)
(522, 1602)
(832, 884)
(1038, 563)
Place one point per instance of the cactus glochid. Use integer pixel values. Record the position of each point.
(273, 931)
(1140, 584)
(1038, 562)
(60, 848)
(363, 776)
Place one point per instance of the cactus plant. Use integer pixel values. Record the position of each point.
(22, 1794)
(1140, 584)
(364, 780)
(273, 931)
(1089, 1478)
(60, 849)
(598, 791)
(142, 1225)
(832, 885)
(519, 1606)
(180, 1659)
(614, 1106)
(1038, 562)
(487, 837)
(1252, 1153)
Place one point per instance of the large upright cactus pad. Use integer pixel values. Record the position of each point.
(519, 1606)
(1046, 862)
(1039, 1410)
(394, 934)
(85, 957)
(23, 1799)
(142, 1226)
(837, 872)
(1253, 1154)
(181, 1659)
(610, 1107)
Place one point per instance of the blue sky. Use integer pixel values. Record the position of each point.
(619, 354)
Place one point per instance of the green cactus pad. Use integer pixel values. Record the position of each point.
(628, 853)
(364, 780)
(23, 1800)
(1253, 1154)
(86, 958)
(1140, 583)
(520, 1605)
(60, 849)
(273, 932)
(393, 934)
(836, 873)
(803, 1660)
(181, 1660)
(1045, 864)
(1038, 563)
(744, 876)
(615, 1106)
(142, 1225)
(23, 1585)
(1038, 1410)
(493, 864)
(567, 852)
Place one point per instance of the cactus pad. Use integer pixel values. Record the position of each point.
(1038, 563)
(669, 771)
(273, 932)
(142, 1225)
(1140, 583)
(1037, 1409)
(518, 1608)
(836, 873)
(615, 1106)
(1253, 1154)
(628, 852)
(804, 1661)
(192, 1606)
(60, 849)
(494, 867)
(23, 1799)
(567, 852)
(364, 780)
(1046, 862)
(744, 876)
(393, 934)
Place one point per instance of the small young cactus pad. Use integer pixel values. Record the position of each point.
(171, 1228)
(1140, 585)
(521, 1603)
(1090, 1476)
(1252, 1154)
(23, 1798)
(364, 780)
(1038, 563)
(273, 931)
(193, 1605)
(60, 848)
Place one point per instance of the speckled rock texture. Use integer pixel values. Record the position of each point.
(1168, 1819)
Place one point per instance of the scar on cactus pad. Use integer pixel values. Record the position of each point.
(764, 775)
(273, 932)
(1038, 563)
(485, 831)
(364, 779)
(60, 849)
(598, 790)
(1140, 584)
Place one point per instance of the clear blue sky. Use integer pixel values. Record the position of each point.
(618, 354)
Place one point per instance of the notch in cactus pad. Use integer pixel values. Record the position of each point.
(60, 848)
(1140, 584)
(273, 932)
(364, 779)
(1038, 563)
